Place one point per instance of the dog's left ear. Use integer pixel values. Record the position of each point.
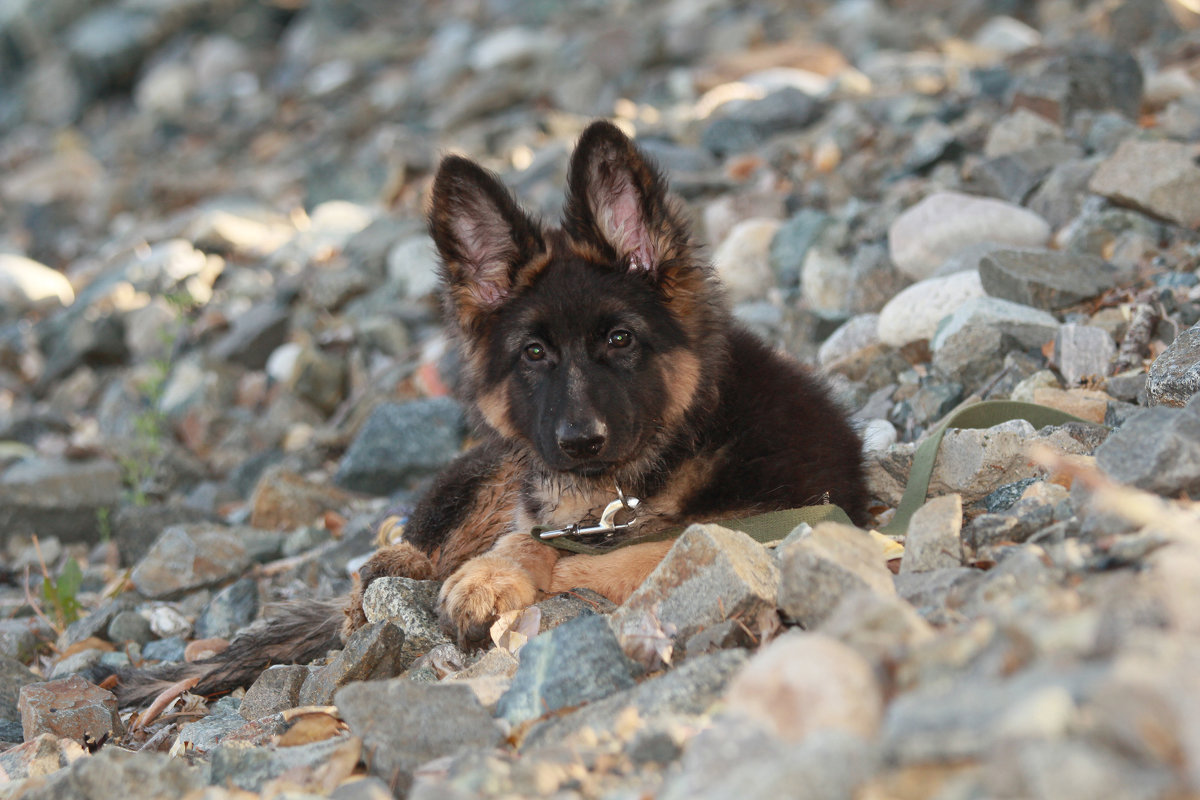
(617, 202)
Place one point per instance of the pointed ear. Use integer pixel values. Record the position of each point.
(617, 201)
(482, 235)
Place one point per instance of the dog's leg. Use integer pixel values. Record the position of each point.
(511, 576)
(396, 561)
(614, 575)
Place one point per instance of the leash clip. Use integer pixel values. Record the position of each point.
(608, 523)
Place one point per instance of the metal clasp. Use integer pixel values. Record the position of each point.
(607, 524)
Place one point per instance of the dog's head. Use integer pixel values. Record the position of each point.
(592, 342)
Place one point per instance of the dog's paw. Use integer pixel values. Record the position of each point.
(480, 591)
(398, 561)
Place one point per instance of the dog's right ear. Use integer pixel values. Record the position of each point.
(482, 235)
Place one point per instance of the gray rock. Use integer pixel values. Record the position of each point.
(254, 336)
(915, 313)
(1157, 450)
(13, 676)
(71, 708)
(1083, 351)
(1014, 176)
(230, 610)
(817, 569)
(27, 285)
(1048, 279)
(222, 721)
(792, 242)
(129, 626)
(746, 125)
(1060, 196)
(1091, 77)
(856, 333)
(187, 557)
(412, 606)
(928, 591)
(371, 654)
(709, 575)
(169, 649)
(19, 637)
(250, 768)
(934, 538)
(49, 497)
(96, 621)
(134, 528)
(1031, 327)
(114, 771)
(879, 627)
(1175, 375)
(1004, 497)
(562, 608)
(404, 725)
(42, 756)
(1159, 178)
(276, 689)
(1020, 130)
(108, 44)
(400, 442)
(970, 354)
(690, 689)
(578, 662)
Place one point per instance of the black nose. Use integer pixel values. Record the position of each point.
(581, 441)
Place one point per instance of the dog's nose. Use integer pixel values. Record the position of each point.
(581, 441)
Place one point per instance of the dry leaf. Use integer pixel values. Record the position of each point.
(309, 728)
(204, 648)
(648, 641)
(514, 628)
(90, 643)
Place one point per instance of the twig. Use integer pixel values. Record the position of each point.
(164, 699)
(159, 736)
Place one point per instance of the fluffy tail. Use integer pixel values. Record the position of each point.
(296, 634)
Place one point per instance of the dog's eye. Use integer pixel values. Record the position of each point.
(620, 338)
(535, 352)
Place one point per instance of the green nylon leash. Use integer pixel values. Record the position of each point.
(775, 525)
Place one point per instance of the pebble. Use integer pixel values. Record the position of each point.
(70, 708)
(924, 236)
(743, 259)
(934, 538)
(1157, 449)
(187, 557)
(1083, 351)
(27, 285)
(818, 568)
(399, 442)
(1031, 327)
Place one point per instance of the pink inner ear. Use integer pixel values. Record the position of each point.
(622, 223)
(486, 246)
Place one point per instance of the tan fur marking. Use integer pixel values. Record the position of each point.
(491, 517)
(494, 406)
(681, 376)
(614, 575)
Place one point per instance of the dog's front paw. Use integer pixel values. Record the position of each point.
(480, 591)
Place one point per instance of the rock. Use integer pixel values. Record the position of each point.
(412, 264)
(49, 497)
(169, 649)
(1019, 130)
(709, 575)
(743, 125)
(187, 557)
(818, 568)
(970, 354)
(1175, 375)
(1014, 177)
(575, 663)
(19, 638)
(319, 377)
(803, 683)
(1031, 327)
(1159, 178)
(135, 528)
(70, 708)
(834, 286)
(1046, 279)
(230, 610)
(284, 500)
(26, 285)
(1088, 77)
(129, 626)
(372, 653)
(412, 606)
(1084, 403)
(400, 442)
(13, 676)
(1082, 351)
(879, 627)
(490, 677)
(253, 336)
(1060, 197)
(914, 313)
(743, 259)
(251, 769)
(691, 689)
(40, 757)
(792, 241)
(276, 689)
(113, 770)
(856, 333)
(222, 722)
(404, 725)
(934, 538)
(562, 608)
(924, 236)
(1157, 450)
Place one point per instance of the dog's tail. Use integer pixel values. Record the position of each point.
(296, 634)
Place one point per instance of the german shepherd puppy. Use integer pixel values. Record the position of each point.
(599, 354)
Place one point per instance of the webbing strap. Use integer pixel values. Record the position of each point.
(775, 525)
